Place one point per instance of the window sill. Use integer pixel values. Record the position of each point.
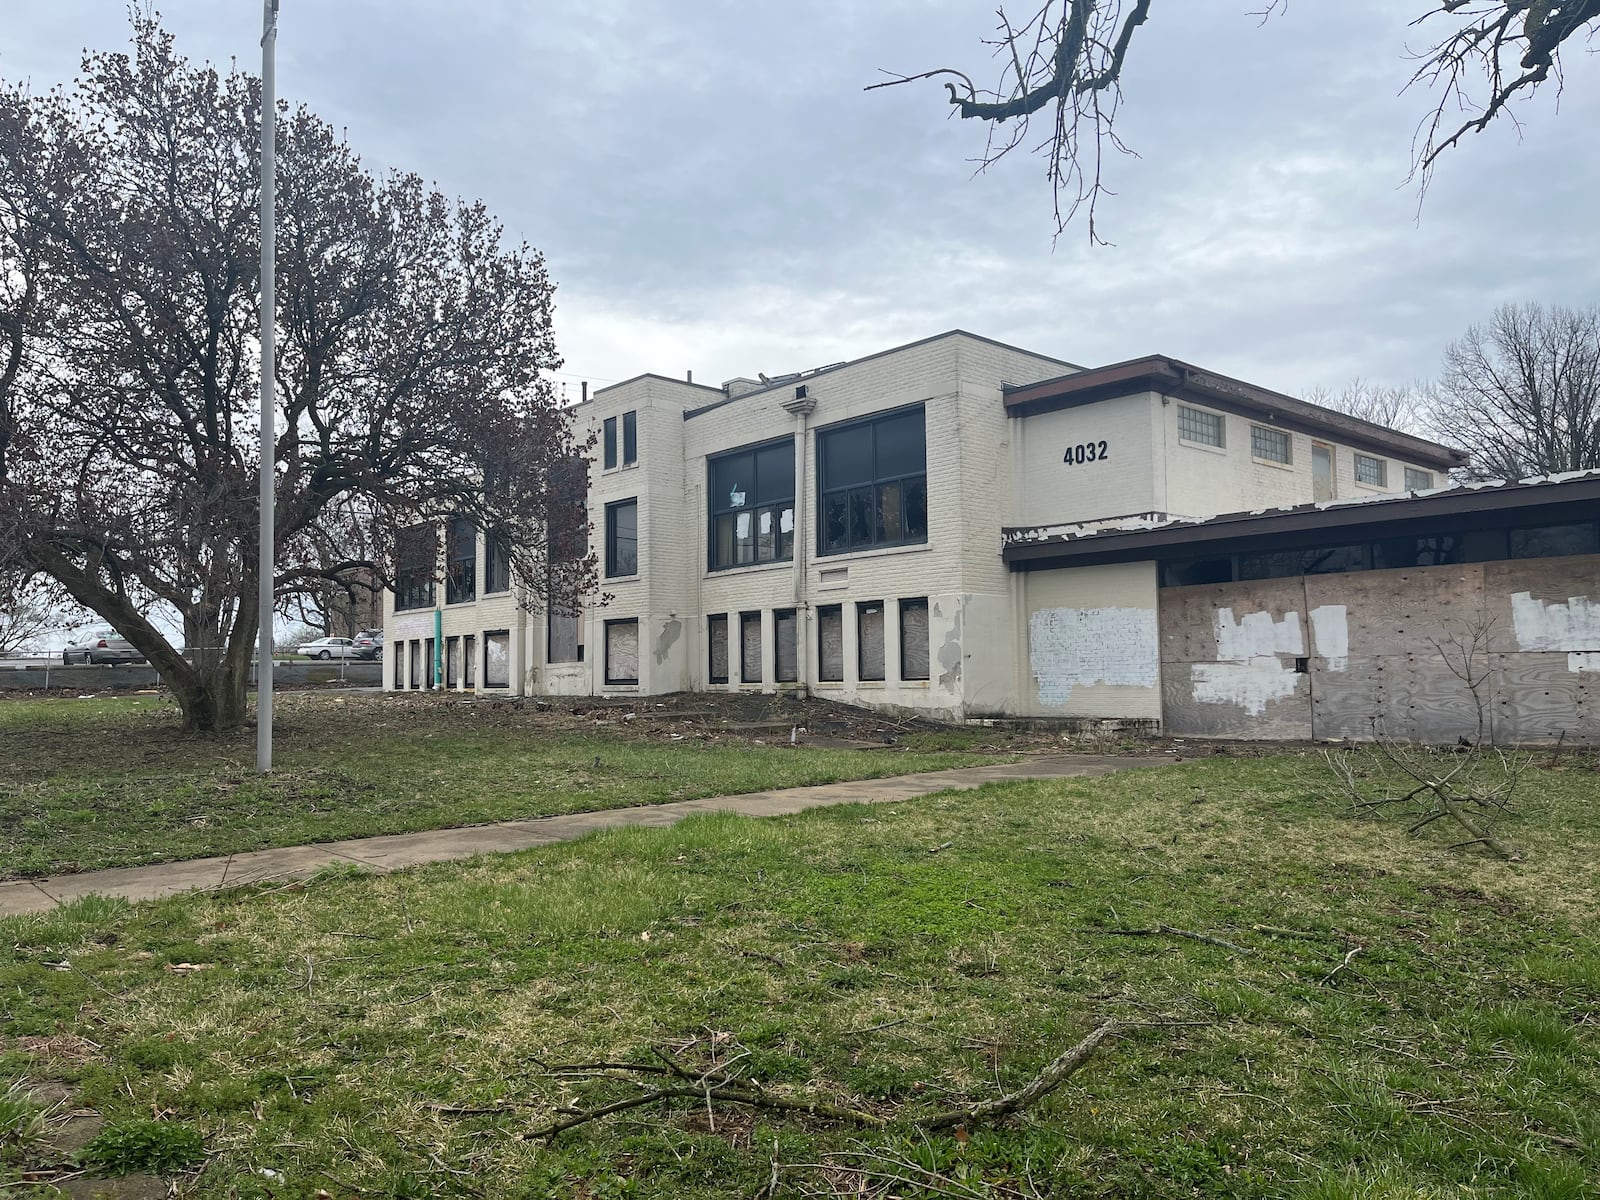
(622, 687)
(501, 592)
(1273, 463)
(825, 561)
(1206, 446)
(749, 568)
(1377, 489)
(634, 578)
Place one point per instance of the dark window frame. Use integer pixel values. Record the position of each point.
(824, 612)
(414, 572)
(615, 542)
(496, 564)
(915, 602)
(715, 621)
(609, 462)
(779, 616)
(845, 501)
(618, 680)
(864, 608)
(747, 619)
(757, 501)
(630, 438)
(461, 561)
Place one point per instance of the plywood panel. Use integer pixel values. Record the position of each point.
(1538, 699)
(1561, 608)
(1388, 611)
(1344, 702)
(1192, 703)
(1189, 616)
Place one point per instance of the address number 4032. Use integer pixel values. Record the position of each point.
(1085, 452)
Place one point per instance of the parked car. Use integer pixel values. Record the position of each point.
(102, 645)
(329, 647)
(369, 643)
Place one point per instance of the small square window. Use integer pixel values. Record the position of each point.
(1418, 481)
(1374, 472)
(1272, 445)
(1197, 425)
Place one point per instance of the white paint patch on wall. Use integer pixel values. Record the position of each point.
(1330, 633)
(1079, 647)
(1574, 625)
(1256, 635)
(1252, 684)
(1584, 662)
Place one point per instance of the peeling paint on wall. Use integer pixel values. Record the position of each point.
(1574, 625)
(950, 652)
(671, 631)
(1257, 635)
(1330, 633)
(1585, 662)
(1251, 684)
(1078, 647)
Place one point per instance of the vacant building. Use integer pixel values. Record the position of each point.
(969, 529)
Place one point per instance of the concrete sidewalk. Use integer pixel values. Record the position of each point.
(396, 851)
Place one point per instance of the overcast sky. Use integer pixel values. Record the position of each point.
(714, 190)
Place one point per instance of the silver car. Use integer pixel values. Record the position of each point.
(330, 647)
(102, 645)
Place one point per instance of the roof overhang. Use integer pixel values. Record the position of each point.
(1485, 505)
(1169, 377)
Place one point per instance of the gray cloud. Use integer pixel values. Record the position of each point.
(715, 191)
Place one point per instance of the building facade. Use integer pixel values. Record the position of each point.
(954, 527)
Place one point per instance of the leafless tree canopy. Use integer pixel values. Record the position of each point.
(412, 344)
(1521, 393)
(1396, 407)
(1062, 63)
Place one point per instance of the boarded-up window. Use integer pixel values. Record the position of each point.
(786, 665)
(469, 661)
(452, 662)
(717, 640)
(869, 640)
(563, 637)
(622, 651)
(830, 643)
(750, 647)
(914, 639)
(416, 663)
(399, 658)
(430, 663)
(497, 658)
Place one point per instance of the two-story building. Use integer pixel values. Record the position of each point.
(861, 531)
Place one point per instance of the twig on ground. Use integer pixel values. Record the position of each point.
(1348, 959)
(1042, 1084)
(1171, 931)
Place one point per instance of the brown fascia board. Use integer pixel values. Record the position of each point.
(1170, 377)
(1511, 500)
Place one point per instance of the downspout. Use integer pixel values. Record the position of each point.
(802, 406)
(438, 649)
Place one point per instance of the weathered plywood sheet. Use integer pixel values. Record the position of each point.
(1538, 699)
(1389, 611)
(1232, 621)
(1544, 604)
(1344, 701)
(1196, 700)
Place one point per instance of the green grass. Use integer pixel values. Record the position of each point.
(88, 784)
(394, 1036)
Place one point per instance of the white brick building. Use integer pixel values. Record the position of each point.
(841, 531)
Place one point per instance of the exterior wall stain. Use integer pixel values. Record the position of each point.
(671, 631)
(1076, 647)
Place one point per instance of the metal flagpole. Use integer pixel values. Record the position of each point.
(269, 425)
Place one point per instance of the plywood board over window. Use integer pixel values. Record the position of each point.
(469, 661)
(869, 640)
(622, 652)
(717, 639)
(497, 658)
(914, 638)
(750, 647)
(786, 647)
(452, 662)
(830, 643)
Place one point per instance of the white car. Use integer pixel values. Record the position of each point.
(330, 647)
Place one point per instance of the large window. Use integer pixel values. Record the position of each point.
(416, 552)
(567, 545)
(622, 538)
(496, 564)
(873, 483)
(461, 562)
(752, 505)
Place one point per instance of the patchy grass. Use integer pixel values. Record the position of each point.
(396, 1036)
(109, 782)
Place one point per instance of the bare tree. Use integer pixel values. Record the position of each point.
(1393, 406)
(1522, 393)
(1063, 65)
(413, 346)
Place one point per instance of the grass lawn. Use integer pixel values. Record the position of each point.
(112, 782)
(398, 1036)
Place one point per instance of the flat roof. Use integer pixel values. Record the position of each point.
(1573, 496)
(1171, 377)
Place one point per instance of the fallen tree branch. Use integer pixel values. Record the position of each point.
(729, 1093)
(1042, 1084)
(1172, 931)
(1348, 959)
